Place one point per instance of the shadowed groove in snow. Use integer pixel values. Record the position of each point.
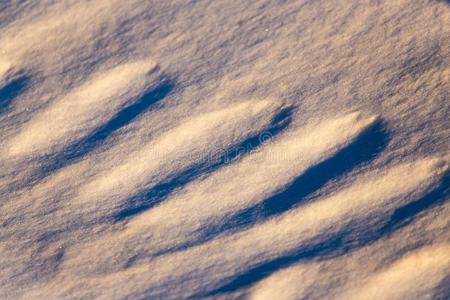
(354, 236)
(124, 117)
(11, 91)
(366, 147)
(404, 215)
(214, 161)
(330, 248)
(442, 291)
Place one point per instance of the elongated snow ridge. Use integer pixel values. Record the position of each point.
(82, 110)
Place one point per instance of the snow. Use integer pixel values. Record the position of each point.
(215, 149)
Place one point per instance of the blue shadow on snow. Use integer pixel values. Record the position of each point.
(365, 148)
(349, 239)
(11, 90)
(121, 119)
(157, 194)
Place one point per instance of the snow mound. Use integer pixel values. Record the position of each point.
(224, 150)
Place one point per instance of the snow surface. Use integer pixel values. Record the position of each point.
(269, 149)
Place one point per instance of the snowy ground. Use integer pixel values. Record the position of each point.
(284, 149)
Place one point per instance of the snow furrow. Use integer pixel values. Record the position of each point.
(264, 149)
(196, 140)
(374, 197)
(183, 217)
(82, 110)
(249, 181)
(412, 276)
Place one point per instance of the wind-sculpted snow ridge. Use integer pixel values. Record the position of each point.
(224, 149)
(184, 217)
(175, 151)
(194, 221)
(358, 210)
(89, 202)
(413, 276)
(81, 111)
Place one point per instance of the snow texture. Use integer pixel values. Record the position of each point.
(269, 149)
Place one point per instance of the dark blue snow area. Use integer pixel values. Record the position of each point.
(11, 90)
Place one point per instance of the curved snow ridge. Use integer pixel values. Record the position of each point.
(287, 284)
(82, 110)
(192, 142)
(183, 217)
(376, 194)
(410, 277)
(251, 180)
(179, 148)
(209, 266)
